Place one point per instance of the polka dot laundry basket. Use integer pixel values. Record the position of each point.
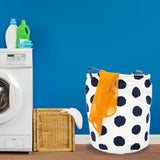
(127, 131)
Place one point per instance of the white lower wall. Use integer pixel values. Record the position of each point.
(85, 139)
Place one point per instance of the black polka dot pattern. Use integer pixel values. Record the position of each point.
(93, 136)
(119, 141)
(134, 99)
(87, 108)
(136, 129)
(94, 82)
(135, 146)
(119, 121)
(121, 84)
(146, 136)
(103, 147)
(137, 111)
(147, 83)
(147, 118)
(87, 89)
(91, 100)
(104, 130)
(136, 92)
(121, 101)
(148, 100)
(138, 77)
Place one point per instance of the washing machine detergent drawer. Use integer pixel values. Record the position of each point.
(16, 143)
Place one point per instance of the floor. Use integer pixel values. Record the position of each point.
(85, 152)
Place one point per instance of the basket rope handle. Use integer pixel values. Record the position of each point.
(89, 70)
(137, 71)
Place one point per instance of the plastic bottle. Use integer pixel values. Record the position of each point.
(11, 35)
(23, 31)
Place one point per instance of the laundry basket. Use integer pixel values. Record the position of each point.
(127, 131)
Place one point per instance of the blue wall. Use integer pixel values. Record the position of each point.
(71, 35)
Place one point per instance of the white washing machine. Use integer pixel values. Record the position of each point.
(16, 102)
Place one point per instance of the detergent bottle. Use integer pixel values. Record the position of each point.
(11, 35)
(23, 31)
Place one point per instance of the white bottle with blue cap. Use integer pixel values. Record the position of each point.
(11, 35)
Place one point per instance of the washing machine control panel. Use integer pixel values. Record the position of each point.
(16, 59)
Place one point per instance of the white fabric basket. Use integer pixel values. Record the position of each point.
(127, 131)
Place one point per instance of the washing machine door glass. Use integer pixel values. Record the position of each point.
(4, 96)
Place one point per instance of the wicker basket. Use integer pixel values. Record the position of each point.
(53, 131)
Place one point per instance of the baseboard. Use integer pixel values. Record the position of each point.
(82, 139)
(154, 139)
(85, 139)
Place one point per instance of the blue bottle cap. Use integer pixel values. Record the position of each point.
(13, 22)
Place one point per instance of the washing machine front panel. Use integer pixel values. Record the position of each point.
(16, 84)
(10, 97)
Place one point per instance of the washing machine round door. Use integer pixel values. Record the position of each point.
(10, 97)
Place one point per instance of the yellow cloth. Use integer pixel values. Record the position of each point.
(105, 99)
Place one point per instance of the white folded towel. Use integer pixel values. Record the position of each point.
(76, 115)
